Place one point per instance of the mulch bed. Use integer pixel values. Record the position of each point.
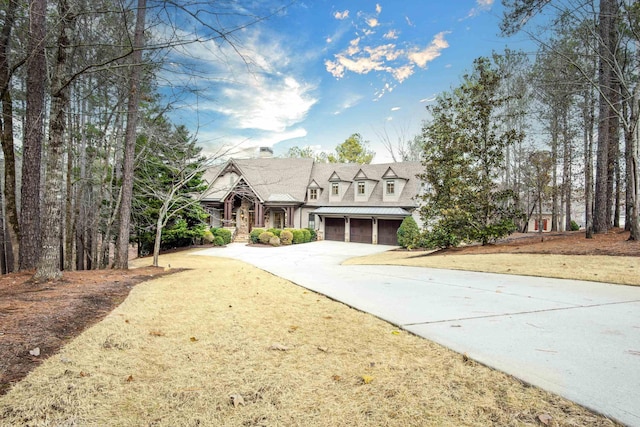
(37, 319)
(614, 243)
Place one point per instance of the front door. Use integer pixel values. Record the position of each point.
(278, 219)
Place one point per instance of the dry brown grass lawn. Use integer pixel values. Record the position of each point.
(623, 270)
(182, 348)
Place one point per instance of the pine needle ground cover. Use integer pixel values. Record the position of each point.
(226, 344)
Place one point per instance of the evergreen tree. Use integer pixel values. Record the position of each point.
(464, 149)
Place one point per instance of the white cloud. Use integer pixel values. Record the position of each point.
(379, 8)
(391, 35)
(431, 52)
(373, 22)
(341, 15)
(267, 104)
(395, 108)
(409, 23)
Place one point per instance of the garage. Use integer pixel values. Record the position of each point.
(361, 230)
(388, 231)
(334, 229)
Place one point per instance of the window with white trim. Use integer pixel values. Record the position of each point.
(391, 186)
(361, 188)
(313, 194)
(335, 188)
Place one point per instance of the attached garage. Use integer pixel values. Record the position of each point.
(365, 224)
(334, 229)
(361, 230)
(388, 231)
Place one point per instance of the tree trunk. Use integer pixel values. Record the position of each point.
(33, 137)
(48, 267)
(122, 252)
(566, 170)
(554, 173)
(606, 47)
(11, 213)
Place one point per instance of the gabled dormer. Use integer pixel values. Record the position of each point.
(392, 186)
(338, 187)
(363, 186)
(314, 191)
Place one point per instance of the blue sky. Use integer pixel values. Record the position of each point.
(322, 70)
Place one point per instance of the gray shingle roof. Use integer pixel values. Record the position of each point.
(287, 180)
(348, 171)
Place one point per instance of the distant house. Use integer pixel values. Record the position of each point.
(343, 202)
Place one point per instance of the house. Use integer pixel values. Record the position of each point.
(343, 202)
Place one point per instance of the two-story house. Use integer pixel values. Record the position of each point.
(344, 202)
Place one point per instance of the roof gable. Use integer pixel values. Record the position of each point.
(314, 184)
(336, 178)
(361, 176)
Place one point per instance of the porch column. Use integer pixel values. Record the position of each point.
(258, 213)
(290, 217)
(228, 211)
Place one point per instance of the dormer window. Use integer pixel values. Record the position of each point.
(335, 188)
(313, 194)
(391, 187)
(361, 188)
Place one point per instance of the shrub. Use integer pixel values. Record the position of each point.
(222, 232)
(408, 233)
(306, 235)
(275, 231)
(286, 237)
(441, 237)
(574, 226)
(314, 235)
(265, 237)
(298, 236)
(218, 241)
(274, 241)
(255, 235)
(208, 236)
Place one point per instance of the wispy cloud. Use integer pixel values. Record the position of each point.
(481, 6)
(350, 101)
(266, 103)
(263, 102)
(378, 9)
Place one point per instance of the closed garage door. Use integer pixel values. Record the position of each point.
(388, 231)
(334, 229)
(361, 230)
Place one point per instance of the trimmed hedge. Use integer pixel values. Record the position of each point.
(224, 233)
(265, 237)
(255, 234)
(286, 237)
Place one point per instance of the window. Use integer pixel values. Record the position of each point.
(335, 189)
(313, 194)
(312, 220)
(391, 187)
(360, 188)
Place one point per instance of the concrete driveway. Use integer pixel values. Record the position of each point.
(578, 339)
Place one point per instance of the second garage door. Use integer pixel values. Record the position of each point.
(388, 231)
(334, 229)
(361, 230)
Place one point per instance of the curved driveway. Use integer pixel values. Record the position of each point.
(577, 339)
